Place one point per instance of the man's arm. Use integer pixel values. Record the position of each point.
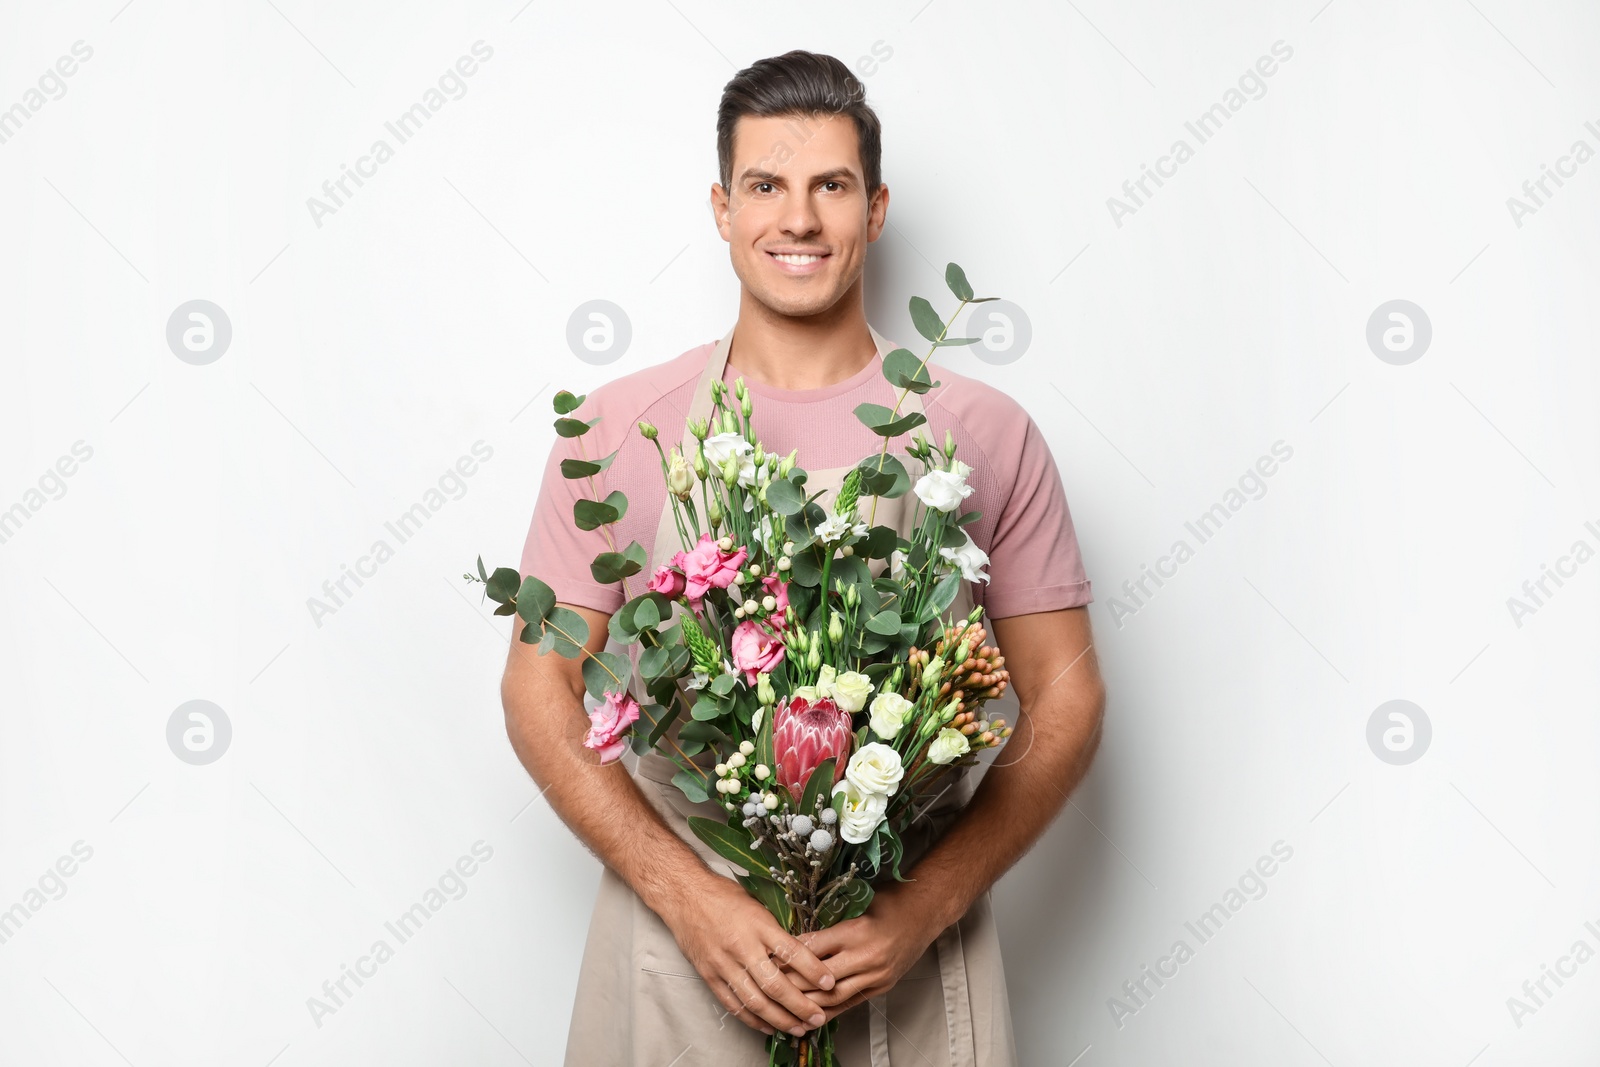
(722, 930)
(1053, 669)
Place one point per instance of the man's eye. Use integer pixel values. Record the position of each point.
(834, 184)
(762, 187)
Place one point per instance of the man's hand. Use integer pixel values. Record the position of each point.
(750, 962)
(868, 954)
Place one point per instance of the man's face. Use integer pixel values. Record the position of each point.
(797, 218)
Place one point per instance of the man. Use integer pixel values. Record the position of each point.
(676, 949)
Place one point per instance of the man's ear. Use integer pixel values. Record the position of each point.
(877, 212)
(719, 210)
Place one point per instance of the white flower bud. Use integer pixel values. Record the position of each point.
(746, 748)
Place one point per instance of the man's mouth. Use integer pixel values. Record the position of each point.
(798, 262)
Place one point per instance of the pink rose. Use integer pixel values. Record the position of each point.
(755, 649)
(608, 725)
(779, 591)
(668, 582)
(708, 568)
(803, 735)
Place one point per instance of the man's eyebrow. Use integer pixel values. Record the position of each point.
(757, 174)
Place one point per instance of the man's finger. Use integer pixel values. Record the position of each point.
(751, 996)
(832, 939)
(730, 1000)
(792, 953)
(776, 984)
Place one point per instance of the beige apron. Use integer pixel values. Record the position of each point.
(641, 1003)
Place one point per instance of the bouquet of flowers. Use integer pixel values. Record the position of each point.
(835, 703)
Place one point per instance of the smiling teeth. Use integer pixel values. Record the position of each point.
(797, 260)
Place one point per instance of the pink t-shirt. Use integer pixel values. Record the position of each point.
(1034, 561)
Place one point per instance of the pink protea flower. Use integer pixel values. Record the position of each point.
(668, 582)
(608, 726)
(804, 733)
(755, 649)
(708, 567)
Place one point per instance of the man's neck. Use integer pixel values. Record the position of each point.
(797, 354)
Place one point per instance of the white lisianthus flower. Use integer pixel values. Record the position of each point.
(897, 564)
(719, 446)
(970, 558)
(948, 746)
(837, 528)
(875, 768)
(945, 490)
(809, 693)
(889, 712)
(851, 690)
(862, 813)
(755, 719)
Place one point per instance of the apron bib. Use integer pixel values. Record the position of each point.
(641, 1002)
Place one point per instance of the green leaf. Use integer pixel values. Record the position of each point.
(858, 897)
(618, 502)
(565, 402)
(955, 342)
(482, 574)
(925, 319)
(818, 786)
(772, 895)
(693, 787)
(969, 517)
(570, 631)
(956, 279)
(574, 427)
(585, 468)
(706, 707)
(885, 476)
(502, 585)
(732, 845)
(784, 497)
(506, 609)
(881, 421)
(953, 537)
(805, 570)
(879, 542)
(591, 514)
(944, 594)
(704, 733)
(647, 614)
(609, 567)
(905, 371)
(886, 622)
(655, 719)
(535, 600)
(896, 849)
(723, 684)
(598, 682)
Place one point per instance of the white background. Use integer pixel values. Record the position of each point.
(1168, 353)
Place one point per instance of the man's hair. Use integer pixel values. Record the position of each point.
(799, 83)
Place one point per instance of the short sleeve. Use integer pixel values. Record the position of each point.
(556, 551)
(1034, 560)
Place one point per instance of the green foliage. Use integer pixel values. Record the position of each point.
(772, 895)
(956, 279)
(732, 845)
(692, 786)
(818, 786)
(584, 468)
(785, 497)
(565, 402)
(535, 600)
(884, 476)
(881, 421)
(596, 679)
(574, 427)
(925, 319)
(611, 567)
(905, 371)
